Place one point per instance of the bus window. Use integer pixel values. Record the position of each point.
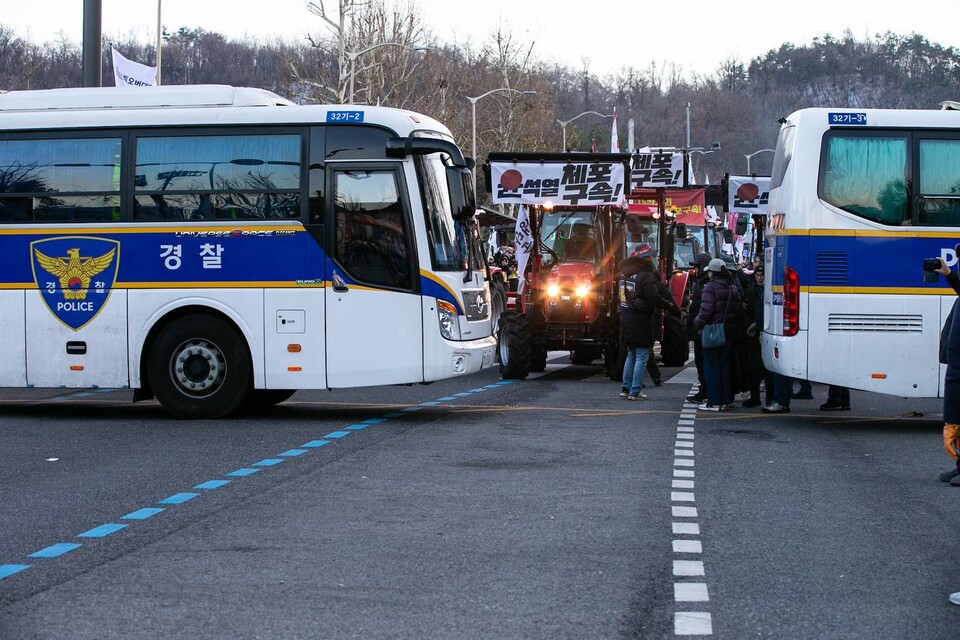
(239, 177)
(50, 180)
(783, 155)
(866, 176)
(371, 235)
(939, 183)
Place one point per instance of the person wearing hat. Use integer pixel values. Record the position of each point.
(638, 300)
(720, 303)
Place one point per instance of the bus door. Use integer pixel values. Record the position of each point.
(373, 305)
(76, 322)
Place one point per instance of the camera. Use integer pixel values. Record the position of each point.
(931, 264)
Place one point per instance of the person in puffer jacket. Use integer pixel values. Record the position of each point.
(720, 302)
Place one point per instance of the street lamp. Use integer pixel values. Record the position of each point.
(750, 155)
(563, 123)
(353, 55)
(473, 107)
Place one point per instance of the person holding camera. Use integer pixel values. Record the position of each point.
(951, 396)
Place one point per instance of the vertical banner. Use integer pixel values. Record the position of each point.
(614, 139)
(128, 73)
(523, 241)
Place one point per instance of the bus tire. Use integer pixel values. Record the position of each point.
(263, 399)
(674, 346)
(514, 347)
(199, 367)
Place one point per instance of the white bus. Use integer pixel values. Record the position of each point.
(218, 247)
(859, 199)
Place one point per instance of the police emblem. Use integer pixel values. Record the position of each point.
(75, 275)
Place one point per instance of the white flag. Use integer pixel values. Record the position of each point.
(523, 241)
(614, 139)
(128, 73)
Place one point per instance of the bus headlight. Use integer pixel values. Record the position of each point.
(553, 290)
(582, 290)
(449, 320)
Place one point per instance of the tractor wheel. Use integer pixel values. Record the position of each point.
(584, 355)
(674, 346)
(538, 359)
(498, 304)
(515, 346)
(611, 359)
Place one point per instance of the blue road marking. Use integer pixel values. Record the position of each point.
(10, 569)
(178, 498)
(240, 473)
(268, 462)
(142, 514)
(55, 550)
(61, 548)
(102, 531)
(212, 484)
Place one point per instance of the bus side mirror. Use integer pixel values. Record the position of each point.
(681, 231)
(463, 201)
(741, 224)
(728, 236)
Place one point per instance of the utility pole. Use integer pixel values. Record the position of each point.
(92, 46)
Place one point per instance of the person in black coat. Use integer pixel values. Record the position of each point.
(753, 369)
(638, 299)
(700, 279)
(951, 430)
(720, 303)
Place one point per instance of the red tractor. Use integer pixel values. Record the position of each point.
(569, 299)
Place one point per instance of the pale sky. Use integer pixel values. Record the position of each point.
(610, 35)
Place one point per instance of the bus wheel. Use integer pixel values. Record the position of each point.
(514, 347)
(199, 367)
(263, 399)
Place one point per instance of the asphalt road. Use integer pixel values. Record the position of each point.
(547, 508)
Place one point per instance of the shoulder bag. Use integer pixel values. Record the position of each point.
(714, 335)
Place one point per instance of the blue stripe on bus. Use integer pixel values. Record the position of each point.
(858, 261)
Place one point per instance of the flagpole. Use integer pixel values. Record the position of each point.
(159, 41)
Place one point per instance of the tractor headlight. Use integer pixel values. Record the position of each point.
(553, 290)
(449, 320)
(582, 290)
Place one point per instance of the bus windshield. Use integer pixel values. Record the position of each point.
(450, 241)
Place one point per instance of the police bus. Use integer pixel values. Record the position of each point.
(859, 199)
(219, 248)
